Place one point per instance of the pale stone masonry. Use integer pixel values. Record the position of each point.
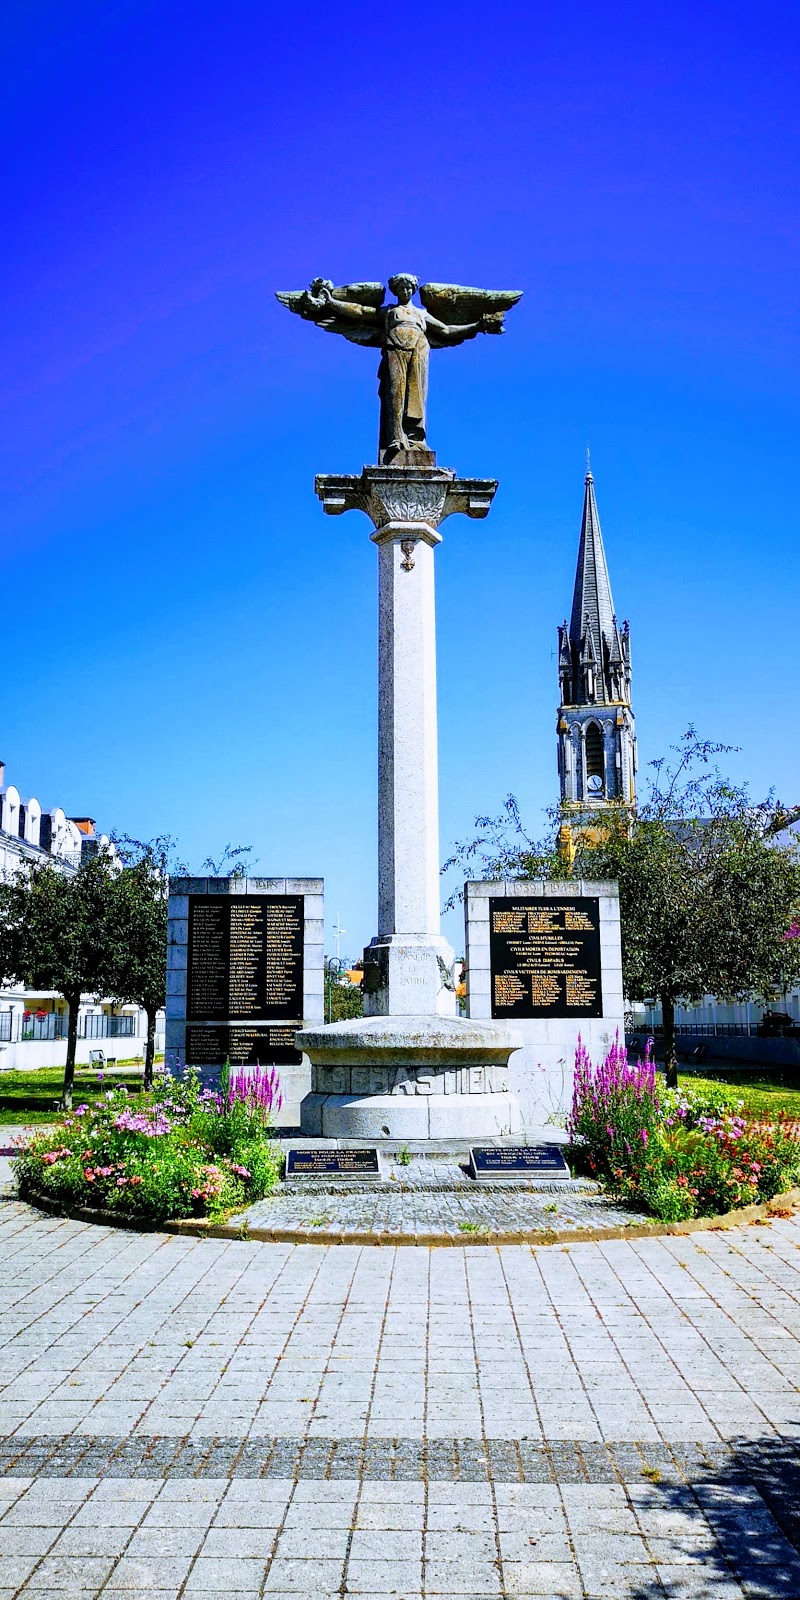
(408, 965)
(540, 1074)
(409, 1068)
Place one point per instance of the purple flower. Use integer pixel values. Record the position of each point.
(256, 1087)
(152, 1123)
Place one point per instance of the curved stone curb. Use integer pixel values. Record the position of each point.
(199, 1228)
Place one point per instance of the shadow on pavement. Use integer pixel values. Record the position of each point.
(733, 1529)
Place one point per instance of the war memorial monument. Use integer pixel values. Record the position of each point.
(245, 956)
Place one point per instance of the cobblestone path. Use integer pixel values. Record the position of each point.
(220, 1418)
(448, 1209)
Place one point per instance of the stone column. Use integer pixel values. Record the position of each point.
(409, 1069)
(408, 966)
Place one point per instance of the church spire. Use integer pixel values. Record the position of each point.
(596, 734)
(592, 623)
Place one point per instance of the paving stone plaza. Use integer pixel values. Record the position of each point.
(206, 1417)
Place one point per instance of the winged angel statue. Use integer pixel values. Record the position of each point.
(405, 334)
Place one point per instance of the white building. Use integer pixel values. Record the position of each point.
(33, 1023)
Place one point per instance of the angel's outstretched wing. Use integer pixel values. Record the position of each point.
(294, 299)
(451, 303)
(303, 303)
(357, 332)
(364, 294)
(302, 300)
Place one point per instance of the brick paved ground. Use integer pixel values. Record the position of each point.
(432, 1199)
(219, 1418)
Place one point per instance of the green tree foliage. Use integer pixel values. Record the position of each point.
(53, 936)
(707, 901)
(136, 931)
(342, 999)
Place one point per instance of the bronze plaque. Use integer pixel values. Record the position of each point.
(545, 958)
(245, 958)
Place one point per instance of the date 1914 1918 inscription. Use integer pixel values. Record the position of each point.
(518, 1161)
(245, 958)
(242, 1046)
(545, 958)
(330, 1163)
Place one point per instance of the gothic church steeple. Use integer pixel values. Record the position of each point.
(596, 732)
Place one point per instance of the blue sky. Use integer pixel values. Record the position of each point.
(188, 643)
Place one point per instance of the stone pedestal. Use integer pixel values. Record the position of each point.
(410, 1027)
(410, 1078)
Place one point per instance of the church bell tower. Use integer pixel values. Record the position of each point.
(596, 732)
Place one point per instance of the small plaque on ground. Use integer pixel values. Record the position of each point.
(331, 1163)
(545, 1161)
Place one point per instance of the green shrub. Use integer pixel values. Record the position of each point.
(176, 1152)
(676, 1153)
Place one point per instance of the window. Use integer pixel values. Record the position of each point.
(595, 761)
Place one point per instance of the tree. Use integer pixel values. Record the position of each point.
(233, 863)
(343, 999)
(53, 936)
(708, 903)
(136, 931)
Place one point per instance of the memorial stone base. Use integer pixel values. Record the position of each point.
(406, 1077)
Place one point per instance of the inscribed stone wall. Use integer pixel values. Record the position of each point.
(244, 973)
(546, 956)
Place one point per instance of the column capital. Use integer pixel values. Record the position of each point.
(403, 501)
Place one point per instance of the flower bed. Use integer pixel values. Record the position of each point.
(675, 1153)
(178, 1151)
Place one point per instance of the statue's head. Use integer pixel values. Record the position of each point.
(404, 285)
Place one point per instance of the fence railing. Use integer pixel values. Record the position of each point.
(105, 1027)
(20, 1028)
(50, 1027)
(706, 1030)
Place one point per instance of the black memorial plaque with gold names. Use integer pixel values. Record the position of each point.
(209, 1044)
(245, 958)
(545, 957)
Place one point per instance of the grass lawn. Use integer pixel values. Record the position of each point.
(31, 1097)
(762, 1097)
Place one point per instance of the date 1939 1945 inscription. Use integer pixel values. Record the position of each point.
(545, 958)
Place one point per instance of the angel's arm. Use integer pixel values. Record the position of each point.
(457, 332)
(452, 332)
(325, 304)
